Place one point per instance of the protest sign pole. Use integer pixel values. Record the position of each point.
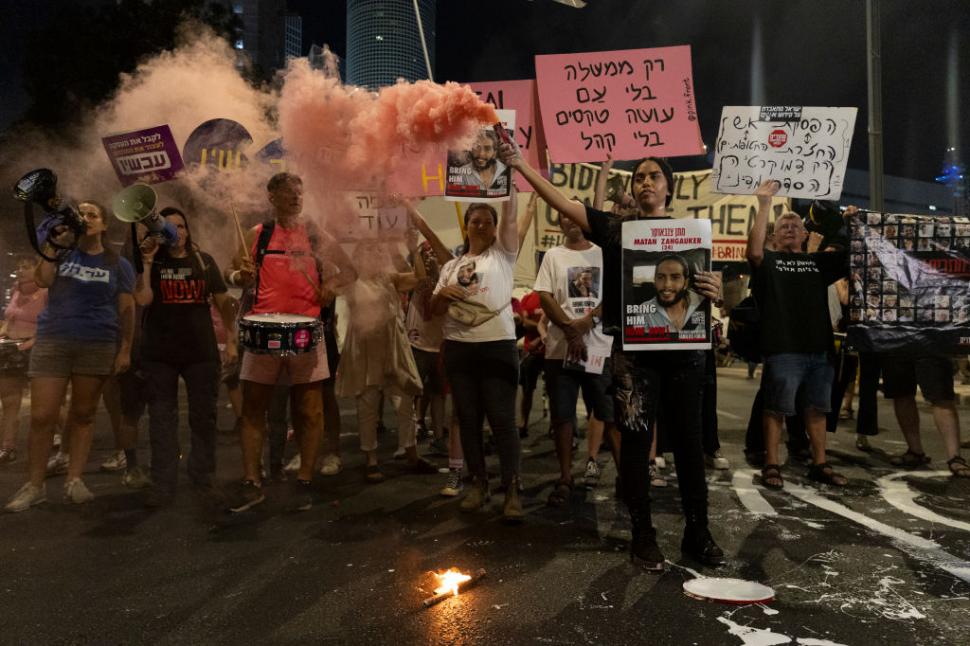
(424, 43)
(874, 46)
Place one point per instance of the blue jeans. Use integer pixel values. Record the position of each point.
(794, 382)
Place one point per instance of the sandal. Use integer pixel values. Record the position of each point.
(958, 467)
(561, 494)
(825, 474)
(771, 477)
(909, 460)
(372, 473)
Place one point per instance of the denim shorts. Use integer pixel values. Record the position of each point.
(564, 386)
(63, 358)
(794, 382)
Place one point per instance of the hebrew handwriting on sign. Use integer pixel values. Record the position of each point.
(805, 149)
(618, 102)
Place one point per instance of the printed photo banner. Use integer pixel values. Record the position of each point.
(806, 149)
(477, 174)
(661, 310)
(694, 197)
(629, 103)
(910, 276)
(149, 156)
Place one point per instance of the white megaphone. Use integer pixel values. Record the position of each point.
(137, 204)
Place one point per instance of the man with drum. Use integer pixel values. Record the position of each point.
(282, 332)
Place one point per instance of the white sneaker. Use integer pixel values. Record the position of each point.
(117, 462)
(660, 462)
(331, 465)
(453, 485)
(58, 463)
(657, 479)
(136, 478)
(293, 465)
(76, 492)
(592, 474)
(717, 461)
(26, 497)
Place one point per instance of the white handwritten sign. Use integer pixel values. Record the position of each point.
(805, 149)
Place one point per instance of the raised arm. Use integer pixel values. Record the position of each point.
(508, 232)
(530, 215)
(599, 193)
(759, 229)
(575, 211)
(440, 250)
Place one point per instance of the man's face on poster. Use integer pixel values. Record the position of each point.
(585, 279)
(483, 153)
(670, 282)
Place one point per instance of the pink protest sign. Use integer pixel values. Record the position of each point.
(630, 103)
(430, 175)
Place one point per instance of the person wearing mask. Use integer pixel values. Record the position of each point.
(83, 336)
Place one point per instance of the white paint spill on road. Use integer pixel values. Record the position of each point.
(898, 494)
(751, 636)
(914, 545)
(748, 494)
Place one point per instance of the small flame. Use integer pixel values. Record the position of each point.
(450, 580)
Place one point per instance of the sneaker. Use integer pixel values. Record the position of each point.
(302, 498)
(657, 479)
(250, 494)
(437, 447)
(592, 474)
(116, 462)
(293, 465)
(660, 461)
(512, 511)
(76, 492)
(58, 463)
(453, 485)
(478, 494)
(26, 497)
(331, 465)
(717, 461)
(136, 478)
(700, 546)
(8, 456)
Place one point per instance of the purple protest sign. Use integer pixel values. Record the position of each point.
(149, 156)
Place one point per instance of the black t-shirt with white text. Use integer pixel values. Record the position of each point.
(792, 294)
(178, 323)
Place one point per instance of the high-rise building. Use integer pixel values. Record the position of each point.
(269, 34)
(384, 43)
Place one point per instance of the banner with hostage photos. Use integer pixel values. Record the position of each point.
(909, 292)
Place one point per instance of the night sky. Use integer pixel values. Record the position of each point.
(814, 53)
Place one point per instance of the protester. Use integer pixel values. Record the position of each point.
(532, 359)
(279, 264)
(27, 301)
(796, 335)
(377, 358)
(643, 382)
(83, 336)
(178, 340)
(481, 359)
(575, 339)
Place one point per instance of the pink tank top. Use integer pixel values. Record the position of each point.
(22, 311)
(285, 278)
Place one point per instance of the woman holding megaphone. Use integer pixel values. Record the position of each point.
(178, 340)
(83, 336)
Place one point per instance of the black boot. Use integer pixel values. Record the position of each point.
(644, 550)
(698, 542)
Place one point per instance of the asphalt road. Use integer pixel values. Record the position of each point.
(885, 560)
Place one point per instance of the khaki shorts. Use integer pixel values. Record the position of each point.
(304, 368)
(61, 358)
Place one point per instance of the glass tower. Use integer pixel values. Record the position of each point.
(383, 42)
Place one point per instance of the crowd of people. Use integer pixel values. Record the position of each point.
(434, 325)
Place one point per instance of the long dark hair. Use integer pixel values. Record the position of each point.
(667, 171)
(478, 206)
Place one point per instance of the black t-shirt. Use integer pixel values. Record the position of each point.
(792, 294)
(178, 323)
(604, 230)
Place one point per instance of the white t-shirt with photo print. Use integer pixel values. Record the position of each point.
(488, 277)
(575, 280)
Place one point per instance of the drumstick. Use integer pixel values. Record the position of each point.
(312, 284)
(242, 236)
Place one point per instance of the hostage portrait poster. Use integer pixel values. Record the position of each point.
(661, 310)
(477, 174)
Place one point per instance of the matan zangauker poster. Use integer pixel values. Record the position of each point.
(661, 309)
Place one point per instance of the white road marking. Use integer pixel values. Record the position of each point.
(748, 494)
(899, 495)
(729, 415)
